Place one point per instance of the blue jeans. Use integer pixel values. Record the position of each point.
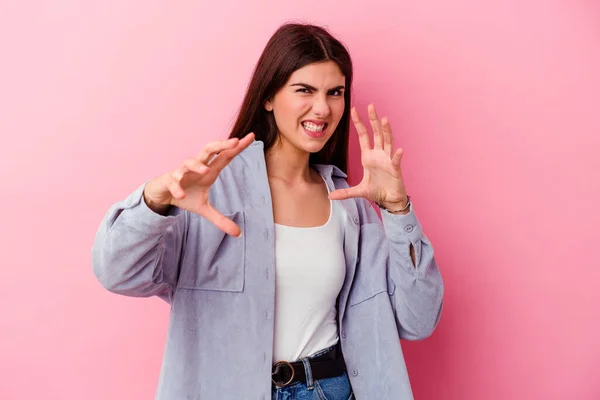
(336, 388)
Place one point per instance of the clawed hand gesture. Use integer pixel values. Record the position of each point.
(382, 177)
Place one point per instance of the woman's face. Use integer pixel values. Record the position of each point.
(309, 106)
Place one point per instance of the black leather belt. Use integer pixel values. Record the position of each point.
(327, 365)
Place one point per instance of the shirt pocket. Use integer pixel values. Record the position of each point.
(214, 260)
(371, 269)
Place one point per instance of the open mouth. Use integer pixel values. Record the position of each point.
(313, 127)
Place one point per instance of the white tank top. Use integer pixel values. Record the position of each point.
(310, 268)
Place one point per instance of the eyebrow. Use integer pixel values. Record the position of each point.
(341, 87)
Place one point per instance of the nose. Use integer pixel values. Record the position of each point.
(321, 107)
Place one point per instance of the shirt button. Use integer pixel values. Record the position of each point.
(356, 220)
(354, 372)
(267, 315)
(408, 228)
(344, 334)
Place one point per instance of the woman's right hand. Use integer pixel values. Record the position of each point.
(187, 187)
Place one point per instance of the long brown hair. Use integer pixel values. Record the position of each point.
(292, 47)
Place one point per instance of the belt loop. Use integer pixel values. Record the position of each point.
(310, 385)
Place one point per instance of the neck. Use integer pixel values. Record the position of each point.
(286, 162)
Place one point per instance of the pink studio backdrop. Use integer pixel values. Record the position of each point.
(497, 106)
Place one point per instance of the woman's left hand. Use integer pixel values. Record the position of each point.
(382, 177)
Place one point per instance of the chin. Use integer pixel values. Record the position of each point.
(314, 148)
(313, 145)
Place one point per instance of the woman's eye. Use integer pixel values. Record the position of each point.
(335, 93)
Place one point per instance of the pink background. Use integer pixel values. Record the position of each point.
(497, 106)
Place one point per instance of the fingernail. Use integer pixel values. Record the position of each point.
(239, 236)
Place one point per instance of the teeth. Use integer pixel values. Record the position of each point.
(312, 127)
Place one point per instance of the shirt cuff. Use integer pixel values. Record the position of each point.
(402, 227)
(139, 216)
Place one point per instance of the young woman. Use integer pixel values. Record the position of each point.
(283, 281)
